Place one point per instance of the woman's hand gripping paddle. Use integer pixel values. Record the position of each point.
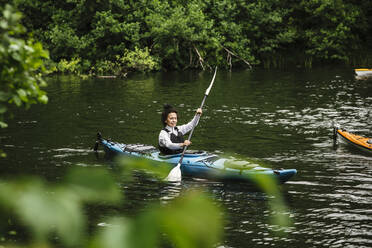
(175, 174)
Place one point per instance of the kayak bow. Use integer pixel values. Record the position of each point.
(363, 72)
(362, 143)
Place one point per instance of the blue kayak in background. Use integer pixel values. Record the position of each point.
(197, 164)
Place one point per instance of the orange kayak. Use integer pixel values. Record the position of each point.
(363, 72)
(358, 141)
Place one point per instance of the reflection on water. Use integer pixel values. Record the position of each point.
(281, 118)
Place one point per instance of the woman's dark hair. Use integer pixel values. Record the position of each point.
(167, 110)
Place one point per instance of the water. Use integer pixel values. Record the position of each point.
(283, 118)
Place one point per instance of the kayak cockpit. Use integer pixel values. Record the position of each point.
(140, 148)
(188, 153)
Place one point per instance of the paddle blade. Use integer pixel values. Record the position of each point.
(211, 84)
(175, 174)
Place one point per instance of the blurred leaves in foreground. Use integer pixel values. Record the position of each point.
(189, 221)
(47, 210)
(53, 214)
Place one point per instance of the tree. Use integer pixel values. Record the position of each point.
(200, 34)
(21, 61)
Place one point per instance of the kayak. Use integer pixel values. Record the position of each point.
(363, 143)
(363, 72)
(197, 164)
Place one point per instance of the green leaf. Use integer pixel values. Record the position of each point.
(43, 99)
(22, 95)
(4, 96)
(116, 234)
(196, 217)
(17, 100)
(94, 185)
(2, 154)
(3, 124)
(3, 109)
(45, 209)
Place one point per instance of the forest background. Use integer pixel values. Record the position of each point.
(116, 36)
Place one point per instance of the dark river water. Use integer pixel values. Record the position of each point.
(283, 118)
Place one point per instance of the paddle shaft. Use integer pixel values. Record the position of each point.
(190, 135)
(198, 116)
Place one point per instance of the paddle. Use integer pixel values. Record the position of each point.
(175, 174)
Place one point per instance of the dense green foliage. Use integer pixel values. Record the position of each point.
(21, 61)
(200, 34)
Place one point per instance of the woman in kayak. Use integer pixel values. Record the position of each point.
(171, 139)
